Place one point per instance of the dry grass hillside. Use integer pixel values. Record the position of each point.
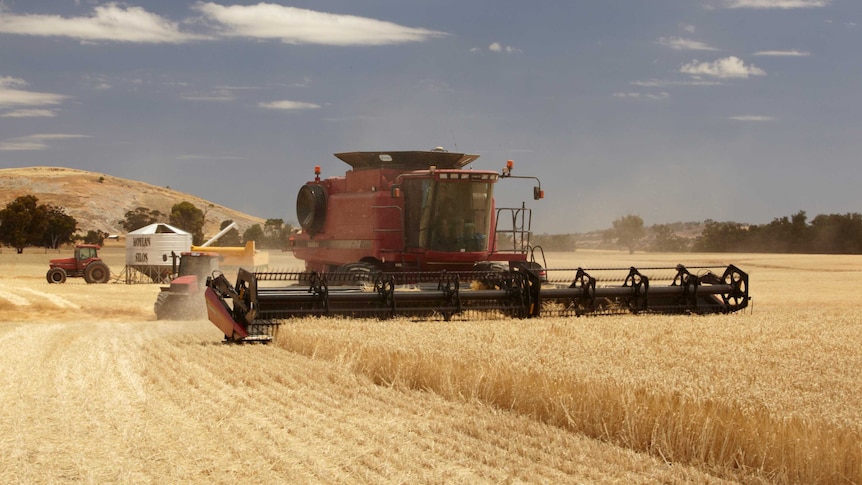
(99, 201)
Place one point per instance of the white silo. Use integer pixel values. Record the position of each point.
(148, 249)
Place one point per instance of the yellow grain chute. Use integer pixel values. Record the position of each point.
(246, 257)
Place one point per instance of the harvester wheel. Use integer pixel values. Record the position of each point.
(97, 272)
(360, 273)
(56, 275)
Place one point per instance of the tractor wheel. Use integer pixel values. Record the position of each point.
(161, 306)
(97, 272)
(56, 275)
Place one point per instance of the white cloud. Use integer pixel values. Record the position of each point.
(497, 47)
(110, 22)
(294, 25)
(29, 113)
(788, 53)
(637, 95)
(681, 44)
(659, 83)
(288, 105)
(751, 118)
(782, 4)
(728, 67)
(35, 142)
(10, 96)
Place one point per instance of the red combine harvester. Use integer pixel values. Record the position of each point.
(407, 211)
(415, 233)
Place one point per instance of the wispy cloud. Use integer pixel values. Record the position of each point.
(293, 25)
(637, 95)
(659, 83)
(728, 67)
(11, 96)
(751, 118)
(682, 44)
(496, 47)
(780, 4)
(35, 142)
(787, 53)
(288, 105)
(112, 22)
(29, 113)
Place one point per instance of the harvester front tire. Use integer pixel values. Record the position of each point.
(56, 275)
(97, 272)
(360, 273)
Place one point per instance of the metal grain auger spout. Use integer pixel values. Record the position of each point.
(252, 308)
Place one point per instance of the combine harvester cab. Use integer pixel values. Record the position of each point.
(416, 234)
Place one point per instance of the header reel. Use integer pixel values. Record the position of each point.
(258, 302)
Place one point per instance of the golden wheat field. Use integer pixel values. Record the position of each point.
(94, 390)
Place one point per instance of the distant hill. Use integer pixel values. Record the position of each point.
(99, 201)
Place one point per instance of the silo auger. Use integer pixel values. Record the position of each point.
(253, 307)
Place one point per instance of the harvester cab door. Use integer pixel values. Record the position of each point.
(450, 216)
(417, 213)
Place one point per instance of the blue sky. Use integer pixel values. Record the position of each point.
(741, 110)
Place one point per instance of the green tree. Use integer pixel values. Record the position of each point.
(95, 237)
(23, 223)
(627, 231)
(140, 217)
(230, 238)
(667, 241)
(187, 217)
(253, 233)
(59, 227)
(276, 234)
(722, 237)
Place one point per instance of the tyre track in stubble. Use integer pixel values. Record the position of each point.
(147, 401)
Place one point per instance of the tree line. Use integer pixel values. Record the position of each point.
(26, 223)
(825, 234)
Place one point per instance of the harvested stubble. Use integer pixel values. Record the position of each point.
(773, 395)
(94, 390)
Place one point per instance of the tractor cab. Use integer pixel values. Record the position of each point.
(86, 252)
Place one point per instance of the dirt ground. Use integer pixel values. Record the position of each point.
(95, 390)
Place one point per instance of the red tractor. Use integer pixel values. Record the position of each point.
(183, 299)
(402, 211)
(86, 264)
